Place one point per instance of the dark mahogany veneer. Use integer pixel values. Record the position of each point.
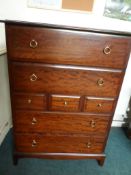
(64, 84)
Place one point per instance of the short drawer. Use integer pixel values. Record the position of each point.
(39, 78)
(56, 122)
(99, 105)
(64, 103)
(65, 46)
(58, 144)
(29, 101)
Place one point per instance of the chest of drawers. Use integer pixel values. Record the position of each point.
(64, 84)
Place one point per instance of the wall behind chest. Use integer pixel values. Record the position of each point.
(5, 111)
(2, 39)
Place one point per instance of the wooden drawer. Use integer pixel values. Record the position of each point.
(62, 46)
(51, 122)
(58, 144)
(70, 80)
(29, 101)
(65, 103)
(99, 105)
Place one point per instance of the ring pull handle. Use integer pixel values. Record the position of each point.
(65, 103)
(107, 50)
(29, 101)
(33, 43)
(88, 145)
(33, 77)
(93, 124)
(100, 82)
(34, 143)
(99, 105)
(34, 121)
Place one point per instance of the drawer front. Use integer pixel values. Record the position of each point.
(65, 103)
(99, 105)
(28, 121)
(29, 101)
(58, 80)
(61, 46)
(58, 144)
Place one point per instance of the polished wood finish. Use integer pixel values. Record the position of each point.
(99, 105)
(74, 28)
(72, 48)
(61, 144)
(65, 103)
(29, 101)
(64, 84)
(60, 122)
(61, 80)
(60, 156)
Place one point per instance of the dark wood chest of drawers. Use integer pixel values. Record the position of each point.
(65, 84)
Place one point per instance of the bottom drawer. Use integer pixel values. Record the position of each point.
(58, 144)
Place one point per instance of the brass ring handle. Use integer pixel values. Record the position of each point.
(65, 103)
(34, 143)
(33, 77)
(100, 82)
(34, 121)
(99, 105)
(29, 101)
(107, 50)
(33, 43)
(93, 124)
(88, 145)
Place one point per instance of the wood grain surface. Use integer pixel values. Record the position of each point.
(70, 47)
(64, 103)
(67, 80)
(29, 101)
(58, 144)
(56, 122)
(64, 83)
(99, 105)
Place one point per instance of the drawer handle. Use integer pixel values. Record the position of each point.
(93, 124)
(88, 145)
(107, 50)
(34, 143)
(29, 101)
(65, 103)
(33, 77)
(99, 105)
(33, 43)
(100, 82)
(34, 121)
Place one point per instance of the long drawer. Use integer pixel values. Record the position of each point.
(62, 46)
(70, 80)
(50, 122)
(36, 143)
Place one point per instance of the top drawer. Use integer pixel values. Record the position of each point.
(64, 46)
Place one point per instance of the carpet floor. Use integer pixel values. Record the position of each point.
(118, 161)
